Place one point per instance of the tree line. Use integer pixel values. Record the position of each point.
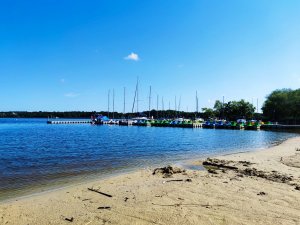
(87, 114)
(281, 105)
(231, 110)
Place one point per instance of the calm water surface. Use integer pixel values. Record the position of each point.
(34, 154)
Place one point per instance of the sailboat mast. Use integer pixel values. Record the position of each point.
(157, 106)
(113, 103)
(108, 99)
(175, 107)
(150, 101)
(162, 106)
(137, 95)
(124, 101)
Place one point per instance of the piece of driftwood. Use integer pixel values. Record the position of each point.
(99, 192)
(191, 205)
(104, 207)
(69, 219)
(174, 180)
(206, 163)
(178, 180)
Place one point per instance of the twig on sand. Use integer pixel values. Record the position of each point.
(191, 204)
(99, 192)
(186, 180)
(104, 207)
(219, 165)
(69, 219)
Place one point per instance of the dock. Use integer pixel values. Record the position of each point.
(197, 125)
(126, 123)
(279, 127)
(271, 127)
(68, 121)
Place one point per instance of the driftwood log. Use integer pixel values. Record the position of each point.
(99, 192)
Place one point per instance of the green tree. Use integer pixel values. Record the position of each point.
(234, 110)
(218, 108)
(283, 106)
(208, 113)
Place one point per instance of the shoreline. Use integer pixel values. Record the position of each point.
(138, 197)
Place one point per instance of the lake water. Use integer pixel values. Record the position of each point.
(35, 155)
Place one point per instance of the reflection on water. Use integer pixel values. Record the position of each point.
(33, 153)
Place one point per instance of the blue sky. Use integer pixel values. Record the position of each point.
(66, 55)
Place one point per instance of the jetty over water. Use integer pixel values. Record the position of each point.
(127, 123)
(272, 127)
(280, 127)
(68, 121)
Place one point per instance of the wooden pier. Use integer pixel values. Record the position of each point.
(68, 121)
(273, 127)
(279, 127)
(197, 125)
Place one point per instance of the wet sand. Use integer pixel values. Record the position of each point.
(259, 187)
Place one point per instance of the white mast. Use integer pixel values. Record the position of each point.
(157, 106)
(113, 103)
(124, 101)
(108, 101)
(149, 101)
(137, 95)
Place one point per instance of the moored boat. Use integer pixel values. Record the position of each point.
(220, 124)
(240, 125)
(99, 119)
(252, 125)
(209, 124)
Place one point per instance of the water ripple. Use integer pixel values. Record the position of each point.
(33, 153)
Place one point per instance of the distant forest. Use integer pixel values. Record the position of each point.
(84, 114)
(207, 114)
(281, 106)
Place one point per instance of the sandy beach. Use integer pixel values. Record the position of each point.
(258, 187)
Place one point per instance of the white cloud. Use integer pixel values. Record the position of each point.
(132, 56)
(71, 95)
